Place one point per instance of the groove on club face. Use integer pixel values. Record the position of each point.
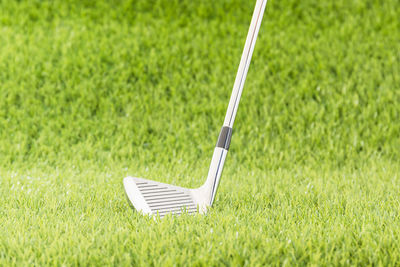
(178, 206)
(169, 204)
(164, 196)
(167, 199)
(158, 192)
(143, 188)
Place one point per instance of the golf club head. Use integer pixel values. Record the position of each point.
(151, 197)
(154, 198)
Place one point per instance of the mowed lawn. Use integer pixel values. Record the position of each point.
(93, 91)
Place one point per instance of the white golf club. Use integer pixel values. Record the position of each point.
(150, 197)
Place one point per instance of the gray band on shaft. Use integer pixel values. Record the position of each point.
(224, 139)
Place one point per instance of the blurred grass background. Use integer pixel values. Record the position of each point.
(91, 91)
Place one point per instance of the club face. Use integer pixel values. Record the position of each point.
(154, 198)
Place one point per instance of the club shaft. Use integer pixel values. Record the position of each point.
(222, 146)
(245, 63)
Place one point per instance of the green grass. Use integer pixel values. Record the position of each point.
(91, 91)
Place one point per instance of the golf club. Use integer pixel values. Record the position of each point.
(150, 197)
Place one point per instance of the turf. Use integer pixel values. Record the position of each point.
(92, 91)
